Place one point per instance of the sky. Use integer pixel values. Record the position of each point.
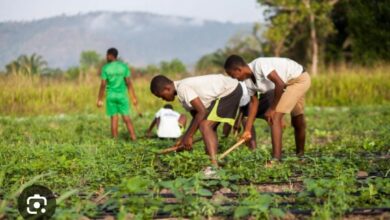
(220, 10)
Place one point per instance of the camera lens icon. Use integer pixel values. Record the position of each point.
(37, 202)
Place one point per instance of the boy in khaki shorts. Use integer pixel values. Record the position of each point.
(289, 81)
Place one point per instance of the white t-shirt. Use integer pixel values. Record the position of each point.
(169, 123)
(245, 98)
(208, 88)
(287, 69)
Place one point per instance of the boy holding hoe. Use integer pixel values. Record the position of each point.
(289, 81)
(115, 77)
(210, 99)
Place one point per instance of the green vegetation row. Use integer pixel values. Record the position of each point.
(75, 154)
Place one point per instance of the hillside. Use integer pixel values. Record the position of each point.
(141, 38)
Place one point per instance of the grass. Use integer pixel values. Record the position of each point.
(349, 90)
(76, 153)
(22, 95)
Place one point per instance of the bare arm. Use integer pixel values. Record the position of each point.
(198, 117)
(279, 87)
(130, 88)
(253, 106)
(101, 92)
(149, 131)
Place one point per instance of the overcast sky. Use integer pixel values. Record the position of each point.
(221, 10)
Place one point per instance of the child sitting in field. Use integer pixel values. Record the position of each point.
(169, 123)
(116, 78)
(289, 81)
(210, 99)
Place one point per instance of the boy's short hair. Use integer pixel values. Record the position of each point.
(168, 106)
(113, 51)
(233, 62)
(158, 83)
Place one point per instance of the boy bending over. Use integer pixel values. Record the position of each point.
(289, 81)
(210, 99)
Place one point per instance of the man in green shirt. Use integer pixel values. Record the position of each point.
(116, 78)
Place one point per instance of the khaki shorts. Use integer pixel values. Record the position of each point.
(293, 98)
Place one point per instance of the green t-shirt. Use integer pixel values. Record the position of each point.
(114, 73)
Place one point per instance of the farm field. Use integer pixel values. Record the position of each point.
(65, 66)
(344, 174)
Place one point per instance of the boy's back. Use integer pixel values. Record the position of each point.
(207, 87)
(169, 123)
(116, 81)
(114, 73)
(117, 101)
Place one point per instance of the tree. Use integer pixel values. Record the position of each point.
(286, 17)
(13, 67)
(314, 32)
(369, 30)
(173, 67)
(89, 59)
(249, 46)
(72, 73)
(211, 63)
(28, 65)
(152, 69)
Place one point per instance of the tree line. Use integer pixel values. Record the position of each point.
(315, 33)
(90, 62)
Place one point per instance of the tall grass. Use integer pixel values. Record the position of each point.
(349, 90)
(32, 95)
(351, 86)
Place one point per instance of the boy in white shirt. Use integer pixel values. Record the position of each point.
(169, 123)
(289, 81)
(210, 99)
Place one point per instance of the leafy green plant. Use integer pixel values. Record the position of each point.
(136, 195)
(332, 197)
(190, 194)
(260, 206)
(185, 164)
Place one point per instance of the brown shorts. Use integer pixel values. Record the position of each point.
(293, 98)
